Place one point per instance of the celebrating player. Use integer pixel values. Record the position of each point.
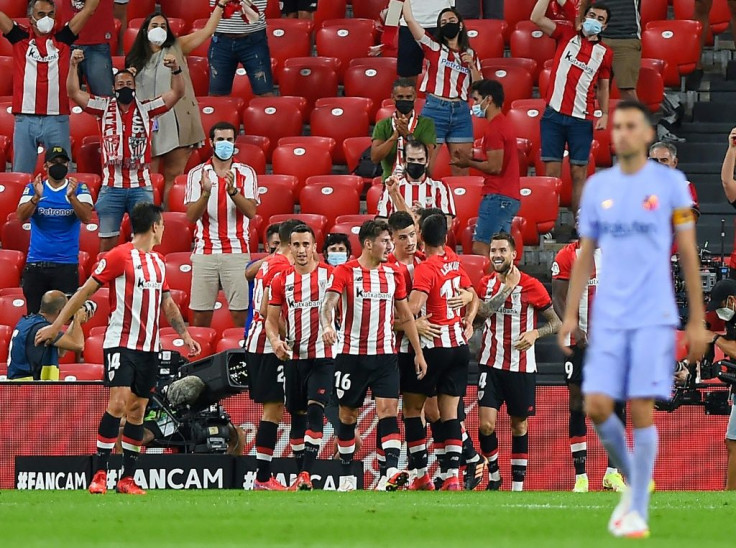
(138, 291)
(370, 289)
(295, 296)
(510, 300)
(628, 211)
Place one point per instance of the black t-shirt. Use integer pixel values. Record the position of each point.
(17, 33)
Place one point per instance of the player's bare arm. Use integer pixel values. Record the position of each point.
(73, 339)
(280, 348)
(404, 314)
(73, 89)
(46, 335)
(327, 317)
(463, 298)
(539, 18)
(173, 316)
(578, 280)
(425, 328)
(491, 306)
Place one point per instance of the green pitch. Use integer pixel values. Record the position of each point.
(382, 520)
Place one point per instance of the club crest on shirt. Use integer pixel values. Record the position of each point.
(607, 204)
(651, 202)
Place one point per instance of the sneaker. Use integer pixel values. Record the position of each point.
(451, 484)
(127, 486)
(422, 483)
(303, 482)
(271, 485)
(622, 508)
(382, 482)
(474, 472)
(614, 481)
(98, 486)
(581, 484)
(347, 483)
(494, 485)
(397, 481)
(632, 525)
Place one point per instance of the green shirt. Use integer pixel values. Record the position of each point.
(424, 133)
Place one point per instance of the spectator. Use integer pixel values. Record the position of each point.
(221, 197)
(666, 153)
(177, 131)
(40, 102)
(702, 14)
(241, 39)
(126, 126)
(337, 249)
(66, 204)
(411, 55)
(28, 362)
(581, 62)
(390, 134)
(451, 67)
(120, 12)
(471, 9)
(94, 41)
(415, 189)
(303, 9)
(499, 164)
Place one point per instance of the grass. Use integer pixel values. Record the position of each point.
(465, 519)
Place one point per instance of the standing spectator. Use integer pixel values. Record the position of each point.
(66, 204)
(411, 56)
(120, 12)
(221, 197)
(501, 197)
(666, 154)
(303, 9)
(390, 134)
(581, 62)
(177, 131)
(94, 41)
(702, 14)
(451, 67)
(41, 60)
(126, 126)
(241, 39)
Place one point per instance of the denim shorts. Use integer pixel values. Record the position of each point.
(225, 54)
(97, 68)
(557, 130)
(113, 203)
(495, 214)
(452, 121)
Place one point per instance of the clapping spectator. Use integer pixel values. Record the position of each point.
(56, 206)
(177, 131)
(40, 101)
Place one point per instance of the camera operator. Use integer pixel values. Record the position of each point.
(723, 302)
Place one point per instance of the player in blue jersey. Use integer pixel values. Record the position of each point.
(629, 211)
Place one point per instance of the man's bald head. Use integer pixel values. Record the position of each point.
(52, 302)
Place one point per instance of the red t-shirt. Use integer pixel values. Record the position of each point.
(499, 135)
(100, 27)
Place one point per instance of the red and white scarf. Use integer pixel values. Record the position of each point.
(113, 152)
(413, 119)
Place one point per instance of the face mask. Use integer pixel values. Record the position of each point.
(336, 258)
(58, 171)
(591, 27)
(224, 150)
(125, 95)
(415, 171)
(157, 36)
(45, 24)
(450, 30)
(478, 111)
(725, 314)
(272, 249)
(404, 106)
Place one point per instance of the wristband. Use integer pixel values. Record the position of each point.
(715, 339)
(233, 194)
(221, 6)
(177, 71)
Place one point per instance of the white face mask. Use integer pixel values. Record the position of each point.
(157, 36)
(725, 314)
(45, 24)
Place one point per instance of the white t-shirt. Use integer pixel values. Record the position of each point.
(426, 11)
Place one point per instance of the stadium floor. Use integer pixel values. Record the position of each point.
(464, 519)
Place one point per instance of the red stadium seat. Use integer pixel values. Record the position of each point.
(603, 137)
(12, 186)
(199, 72)
(190, 11)
(177, 193)
(221, 318)
(372, 81)
(7, 119)
(273, 119)
(172, 341)
(358, 218)
(6, 67)
(466, 195)
(353, 148)
(354, 182)
(219, 109)
(178, 237)
(241, 86)
(6, 332)
(179, 273)
(347, 103)
(91, 180)
(277, 181)
(93, 352)
(487, 36)
(530, 42)
(12, 309)
(81, 125)
(649, 88)
(334, 9)
(100, 319)
(16, 235)
(89, 239)
(516, 12)
(302, 162)
(677, 42)
(309, 140)
(276, 199)
(15, 257)
(539, 206)
(349, 39)
(525, 117)
(530, 65)
(89, 158)
(352, 24)
(318, 223)
(14, 10)
(257, 140)
(288, 38)
(71, 372)
(308, 82)
(351, 230)
(11, 291)
(517, 81)
(368, 9)
(719, 17)
(9, 273)
(331, 63)
(476, 267)
(251, 155)
(372, 197)
(329, 200)
(231, 342)
(339, 123)
(653, 10)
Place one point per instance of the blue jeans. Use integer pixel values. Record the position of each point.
(31, 131)
(97, 68)
(113, 203)
(557, 130)
(495, 214)
(452, 121)
(251, 51)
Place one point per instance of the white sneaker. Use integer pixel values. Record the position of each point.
(632, 525)
(622, 508)
(347, 483)
(382, 482)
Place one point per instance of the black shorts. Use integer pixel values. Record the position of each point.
(308, 380)
(354, 375)
(447, 373)
(410, 56)
(134, 369)
(574, 366)
(265, 377)
(293, 6)
(517, 390)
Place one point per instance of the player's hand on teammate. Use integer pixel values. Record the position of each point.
(526, 341)
(567, 329)
(463, 298)
(696, 340)
(468, 329)
(427, 329)
(192, 345)
(282, 350)
(420, 366)
(329, 335)
(46, 335)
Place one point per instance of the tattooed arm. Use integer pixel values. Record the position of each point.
(173, 316)
(527, 340)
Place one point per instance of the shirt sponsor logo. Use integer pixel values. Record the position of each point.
(33, 53)
(143, 284)
(579, 64)
(303, 304)
(374, 295)
(454, 66)
(624, 230)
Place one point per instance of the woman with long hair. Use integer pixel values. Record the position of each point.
(451, 67)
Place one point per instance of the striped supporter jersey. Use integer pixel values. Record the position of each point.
(256, 340)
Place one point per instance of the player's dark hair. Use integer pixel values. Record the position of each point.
(124, 71)
(601, 6)
(285, 229)
(141, 52)
(370, 230)
(498, 236)
(404, 83)
(272, 229)
(463, 42)
(399, 220)
(334, 239)
(414, 144)
(302, 229)
(144, 216)
(434, 230)
(222, 126)
(428, 212)
(492, 88)
(629, 104)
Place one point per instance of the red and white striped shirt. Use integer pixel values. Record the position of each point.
(125, 139)
(368, 298)
(441, 277)
(429, 193)
(256, 340)
(300, 296)
(40, 68)
(562, 270)
(578, 65)
(137, 284)
(402, 342)
(515, 317)
(223, 228)
(447, 75)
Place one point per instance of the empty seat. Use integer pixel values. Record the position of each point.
(539, 206)
(329, 200)
(288, 38)
(179, 273)
(12, 309)
(345, 39)
(318, 223)
(302, 161)
(308, 82)
(353, 148)
(339, 123)
(466, 195)
(517, 82)
(677, 43)
(272, 118)
(530, 42)
(374, 81)
(486, 36)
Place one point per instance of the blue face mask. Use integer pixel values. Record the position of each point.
(224, 150)
(336, 258)
(477, 111)
(591, 27)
